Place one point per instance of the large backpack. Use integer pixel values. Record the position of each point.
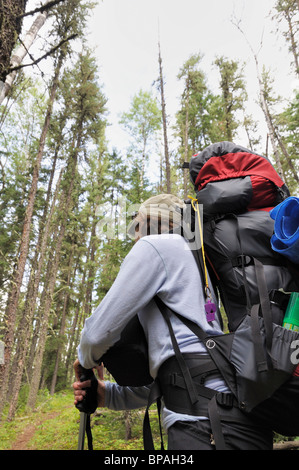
(237, 189)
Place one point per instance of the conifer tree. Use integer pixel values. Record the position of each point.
(234, 94)
(198, 121)
(288, 128)
(142, 121)
(65, 18)
(165, 125)
(86, 112)
(287, 16)
(189, 73)
(280, 149)
(11, 24)
(11, 17)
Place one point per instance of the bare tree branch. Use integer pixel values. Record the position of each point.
(41, 9)
(263, 101)
(21, 52)
(51, 51)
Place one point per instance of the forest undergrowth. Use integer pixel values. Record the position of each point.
(54, 425)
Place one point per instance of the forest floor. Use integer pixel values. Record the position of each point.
(54, 425)
(22, 441)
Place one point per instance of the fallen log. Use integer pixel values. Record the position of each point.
(286, 445)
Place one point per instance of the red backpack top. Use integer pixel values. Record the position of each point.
(230, 178)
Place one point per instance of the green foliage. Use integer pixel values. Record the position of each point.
(200, 109)
(143, 119)
(233, 94)
(101, 187)
(55, 426)
(20, 131)
(288, 124)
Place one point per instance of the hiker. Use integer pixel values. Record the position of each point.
(162, 264)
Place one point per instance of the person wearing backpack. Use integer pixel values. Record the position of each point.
(160, 274)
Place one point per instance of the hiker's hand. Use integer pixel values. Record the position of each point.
(79, 370)
(79, 386)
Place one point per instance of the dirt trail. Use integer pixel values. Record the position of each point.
(22, 441)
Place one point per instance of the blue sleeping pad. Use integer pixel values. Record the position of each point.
(285, 239)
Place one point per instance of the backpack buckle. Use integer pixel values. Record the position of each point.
(241, 260)
(225, 399)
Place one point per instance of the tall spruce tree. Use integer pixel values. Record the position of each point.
(286, 15)
(199, 119)
(233, 92)
(161, 87)
(65, 20)
(86, 114)
(142, 122)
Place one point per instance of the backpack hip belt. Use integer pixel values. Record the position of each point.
(171, 386)
(174, 390)
(182, 393)
(176, 396)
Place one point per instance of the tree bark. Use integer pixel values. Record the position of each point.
(271, 130)
(50, 286)
(186, 136)
(287, 157)
(62, 326)
(288, 445)
(29, 308)
(265, 108)
(11, 12)
(17, 280)
(293, 42)
(164, 119)
(21, 52)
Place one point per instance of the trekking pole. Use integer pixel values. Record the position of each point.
(82, 430)
(86, 407)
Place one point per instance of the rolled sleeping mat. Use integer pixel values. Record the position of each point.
(285, 239)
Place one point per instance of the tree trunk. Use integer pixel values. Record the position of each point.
(10, 27)
(287, 156)
(87, 283)
(292, 38)
(90, 279)
(72, 344)
(128, 424)
(142, 168)
(67, 283)
(265, 109)
(274, 136)
(288, 445)
(13, 299)
(21, 52)
(50, 286)
(271, 130)
(29, 308)
(186, 137)
(164, 118)
(62, 329)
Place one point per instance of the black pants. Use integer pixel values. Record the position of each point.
(197, 435)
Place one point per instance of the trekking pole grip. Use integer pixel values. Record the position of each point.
(89, 403)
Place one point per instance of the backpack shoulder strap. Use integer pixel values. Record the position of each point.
(184, 369)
